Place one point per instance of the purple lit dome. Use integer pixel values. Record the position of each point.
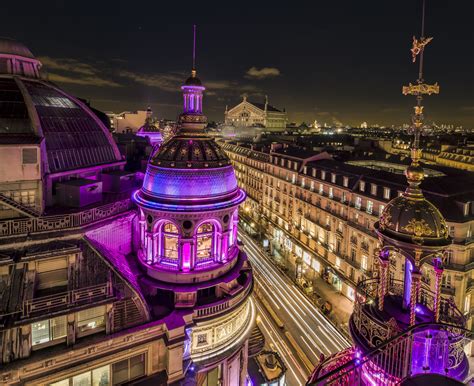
(10, 46)
(190, 169)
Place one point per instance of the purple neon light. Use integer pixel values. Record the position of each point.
(191, 207)
(185, 184)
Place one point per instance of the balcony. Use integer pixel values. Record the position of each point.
(63, 221)
(366, 312)
(47, 304)
(224, 305)
(448, 290)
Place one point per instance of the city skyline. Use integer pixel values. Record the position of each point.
(334, 69)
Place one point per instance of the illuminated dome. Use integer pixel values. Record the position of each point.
(411, 218)
(416, 221)
(10, 46)
(187, 151)
(190, 169)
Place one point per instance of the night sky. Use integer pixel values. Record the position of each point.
(338, 61)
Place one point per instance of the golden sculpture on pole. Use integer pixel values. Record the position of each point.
(418, 46)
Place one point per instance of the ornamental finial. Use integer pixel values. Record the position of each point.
(415, 172)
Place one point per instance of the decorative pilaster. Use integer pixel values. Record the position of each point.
(415, 289)
(439, 276)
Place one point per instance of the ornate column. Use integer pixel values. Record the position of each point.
(439, 276)
(383, 278)
(415, 289)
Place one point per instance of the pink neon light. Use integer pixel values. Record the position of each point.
(186, 256)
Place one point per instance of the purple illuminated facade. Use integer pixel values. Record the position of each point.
(188, 220)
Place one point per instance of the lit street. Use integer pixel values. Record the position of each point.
(310, 329)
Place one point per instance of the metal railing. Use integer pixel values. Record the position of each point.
(66, 299)
(376, 331)
(64, 221)
(224, 304)
(399, 358)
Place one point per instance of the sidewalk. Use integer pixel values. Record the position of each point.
(341, 306)
(323, 292)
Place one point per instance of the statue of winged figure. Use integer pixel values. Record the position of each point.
(418, 46)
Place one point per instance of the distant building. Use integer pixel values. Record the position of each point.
(127, 121)
(248, 113)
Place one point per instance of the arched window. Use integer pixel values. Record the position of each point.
(234, 225)
(205, 241)
(169, 234)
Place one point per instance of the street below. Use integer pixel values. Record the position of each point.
(295, 328)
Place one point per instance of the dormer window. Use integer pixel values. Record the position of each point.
(314, 172)
(373, 189)
(386, 193)
(323, 174)
(345, 181)
(333, 178)
(362, 186)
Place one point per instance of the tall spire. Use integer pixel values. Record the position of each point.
(415, 172)
(192, 118)
(194, 47)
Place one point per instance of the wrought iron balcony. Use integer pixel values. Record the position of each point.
(425, 348)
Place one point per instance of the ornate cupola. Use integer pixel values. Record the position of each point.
(188, 247)
(189, 200)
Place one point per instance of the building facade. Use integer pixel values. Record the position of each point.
(323, 211)
(248, 113)
(97, 287)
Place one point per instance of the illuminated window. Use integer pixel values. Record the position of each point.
(333, 178)
(48, 330)
(321, 189)
(331, 192)
(467, 303)
(170, 241)
(373, 189)
(323, 174)
(345, 181)
(205, 241)
(362, 186)
(363, 262)
(350, 293)
(370, 206)
(338, 263)
(316, 265)
(358, 203)
(91, 320)
(386, 193)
